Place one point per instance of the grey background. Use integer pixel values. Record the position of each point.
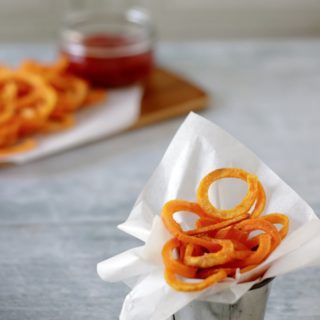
(58, 216)
(175, 19)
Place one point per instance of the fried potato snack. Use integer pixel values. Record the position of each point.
(222, 240)
(38, 98)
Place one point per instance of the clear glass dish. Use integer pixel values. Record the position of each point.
(109, 49)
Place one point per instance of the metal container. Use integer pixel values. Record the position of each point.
(251, 306)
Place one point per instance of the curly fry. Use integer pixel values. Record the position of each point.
(174, 264)
(260, 202)
(261, 253)
(241, 208)
(263, 225)
(71, 91)
(205, 273)
(241, 254)
(225, 254)
(232, 233)
(278, 218)
(170, 208)
(180, 285)
(219, 225)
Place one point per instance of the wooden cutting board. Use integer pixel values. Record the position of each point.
(168, 95)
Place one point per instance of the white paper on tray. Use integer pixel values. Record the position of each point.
(198, 148)
(119, 112)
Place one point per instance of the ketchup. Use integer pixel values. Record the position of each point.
(107, 60)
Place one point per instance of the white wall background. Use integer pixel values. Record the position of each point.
(176, 19)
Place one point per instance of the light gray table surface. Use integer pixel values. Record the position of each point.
(58, 216)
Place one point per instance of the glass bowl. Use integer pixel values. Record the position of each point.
(109, 49)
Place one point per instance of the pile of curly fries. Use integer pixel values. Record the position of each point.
(222, 240)
(38, 98)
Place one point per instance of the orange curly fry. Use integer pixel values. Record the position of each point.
(205, 273)
(263, 225)
(231, 233)
(241, 254)
(180, 285)
(278, 218)
(225, 254)
(219, 225)
(260, 202)
(174, 264)
(238, 245)
(204, 222)
(261, 253)
(170, 208)
(71, 93)
(241, 208)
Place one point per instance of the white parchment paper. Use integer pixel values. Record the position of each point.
(198, 148)
(120, 111)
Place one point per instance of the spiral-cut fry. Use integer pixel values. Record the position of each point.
(219, 225)
(205, 222)
(260, 202)
(170, 208)
(278, 218)
(31, 101)
(263, 250)
(180, 285)
(175, 265)
(220, 243)
(207, 272)
(225, 254)
(32, 92)
(243, 207)
(241, 254)
(262, 225)
(232, 233)
(72, 93)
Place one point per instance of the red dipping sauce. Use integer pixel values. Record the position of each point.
(109, 50)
